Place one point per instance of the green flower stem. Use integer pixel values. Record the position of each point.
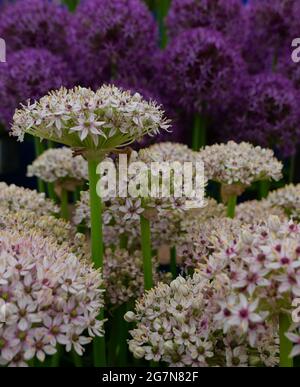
(285, 345)
(199, 132)
(77, 360)
(146, 251)
(292, 168)
(231, 206)
(173, 262)
(51, 191)
(122, 336)
(64, 204)
(55, 360)
(97, 249)
(264, 187)
(39, 149)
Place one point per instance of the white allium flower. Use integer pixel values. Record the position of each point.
(243, 163)
(288, 199)
(176, 324)
(60, 231)
(103, 120)
(59, 165)
(253, 211)
(53, 296)
(16, 198)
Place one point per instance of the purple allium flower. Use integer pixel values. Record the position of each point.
(34, 24)
(29, 74)
(226, 16)
(109, 38)
(268, 115)
(200, 71)
(270, 32)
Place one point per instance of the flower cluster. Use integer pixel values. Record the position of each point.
(29, 73)
(261, 264)
(124, 277)
(270, 31)
(57, 165)
(177, 324)
(254, 211)
(287, 199)
(200, 68)
(61, 232)
(242, 163)
(225, 16)
(34, 24)
(50, 298)
(110, 39)
(104, 120)
(16, 198)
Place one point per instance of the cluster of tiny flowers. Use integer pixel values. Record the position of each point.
(57, 165)
(49, 296)
(124, 277)
(177, 324)
(261, 264)
(80, 117)
(253, 211)
(198, 240)
(169, 151)
(288, 199)
(61, 232)
(243, 163)
(16, 198)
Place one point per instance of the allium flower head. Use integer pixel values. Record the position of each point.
(58, 165)
(243, 163)
(97, 121)
(51, 297)
(225, 16)
(111, 38)
(200, 68)
(34, 24)
(262, 266)
(287, 199)
(15, 198)
(176, 324)
(60, 231)
(271, 116)
(253, 211)
(29, 74)
(270, 31)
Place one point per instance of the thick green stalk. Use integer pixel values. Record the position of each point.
(264, 187)
(64, 204)
(97, 249)
(231, 204)
(199, 132)
(173, 262)
(285, 344)
(39, 149)
(146, 251)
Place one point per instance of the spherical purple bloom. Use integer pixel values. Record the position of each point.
(225, 16)
(109, 38)
(270, 32)
(200, 71)
(267, 115)
(34, 24)
(29, 74)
